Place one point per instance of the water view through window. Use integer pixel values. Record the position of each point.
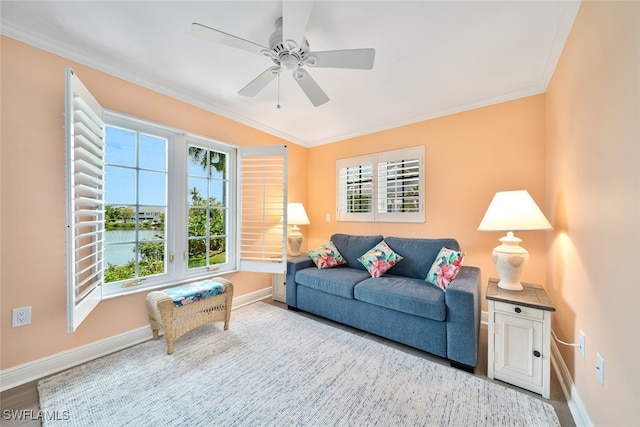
(136, 204)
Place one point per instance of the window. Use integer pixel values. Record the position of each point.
(382, 187)
(135, 204)
(149, 205)
(208, 185)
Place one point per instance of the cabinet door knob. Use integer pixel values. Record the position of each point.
(536, 353)
(518, 310)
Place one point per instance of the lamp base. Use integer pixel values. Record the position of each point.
(295, 241)
(510, 260)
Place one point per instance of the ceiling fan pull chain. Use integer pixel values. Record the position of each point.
(278, 91)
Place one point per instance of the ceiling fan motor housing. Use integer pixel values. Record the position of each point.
(286, 53)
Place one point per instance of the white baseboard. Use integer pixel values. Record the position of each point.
(34, 370)
(578, 411)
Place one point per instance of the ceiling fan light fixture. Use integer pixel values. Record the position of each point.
(289, 62)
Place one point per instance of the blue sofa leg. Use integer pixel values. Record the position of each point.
(462, 366)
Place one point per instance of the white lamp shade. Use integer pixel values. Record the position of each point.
(296, 215)
(513, 211)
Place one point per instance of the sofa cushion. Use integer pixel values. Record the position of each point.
(418, 254)
(326, 256)
(379, 259)
(412, 296)
(337, 281)
(445, 268)
(352, 247)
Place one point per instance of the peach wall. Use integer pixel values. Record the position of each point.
(593, 193)
(33, 202)
(468, 157)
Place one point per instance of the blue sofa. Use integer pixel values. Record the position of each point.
(400, 305)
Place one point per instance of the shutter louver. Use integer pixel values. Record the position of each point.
(85, 145)
(262, 207)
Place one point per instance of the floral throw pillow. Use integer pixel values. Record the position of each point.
(379, 259)
(326, 256)
(445, 268)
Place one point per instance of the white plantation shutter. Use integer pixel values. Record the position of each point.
(355, 189)
(262, 207)
(85, 156)
(382, 187)
(400, 185)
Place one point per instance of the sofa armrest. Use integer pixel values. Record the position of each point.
(463, 316)
(293, 266)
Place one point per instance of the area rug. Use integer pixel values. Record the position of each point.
(274, 367)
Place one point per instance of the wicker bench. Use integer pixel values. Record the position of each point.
(177, 311)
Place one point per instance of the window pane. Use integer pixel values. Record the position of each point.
(121, 146)
(153, 218)
(153, 188)
(217, 251)
(197, 222)
(152, 250)
(152, 153)
(197, 191)
(217, 222)
(197, 253)
(217, 193)
(219, 165)
(198, 161)
(120, 259)
(120, 185)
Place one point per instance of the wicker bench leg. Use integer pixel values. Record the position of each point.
(169, 346)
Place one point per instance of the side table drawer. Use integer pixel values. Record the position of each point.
(519, 310)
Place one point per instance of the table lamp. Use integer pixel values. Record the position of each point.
(512, 211)
(296, 216)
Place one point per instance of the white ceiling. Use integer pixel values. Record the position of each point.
(432, 58)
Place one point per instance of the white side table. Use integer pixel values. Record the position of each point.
(279, 290)
(520, 337)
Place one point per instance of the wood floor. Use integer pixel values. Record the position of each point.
(23, 400)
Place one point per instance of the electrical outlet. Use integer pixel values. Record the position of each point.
(21, 316)
(600, 368)
(581, 342)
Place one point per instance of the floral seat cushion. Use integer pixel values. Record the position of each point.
(192, 292)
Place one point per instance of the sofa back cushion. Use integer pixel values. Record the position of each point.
(418, 254)
(352, 247)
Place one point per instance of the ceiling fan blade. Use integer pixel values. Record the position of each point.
(259, 83)
(295, 15)
(309, 86)
(217, 36)
(360, 59)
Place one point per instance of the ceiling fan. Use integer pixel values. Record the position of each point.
(289, 50)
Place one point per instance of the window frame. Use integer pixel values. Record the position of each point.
(176, 265)
(375, 161)
(86, 225)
